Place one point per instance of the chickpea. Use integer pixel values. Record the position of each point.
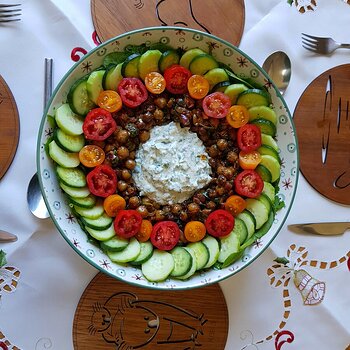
(142, 210)
(176, 209)
(122, 186)
(126, 174)
(211, 205)
(132, 155)
(221, 180)
(220, 170)
(122, 136)
(144, 136)
(131, 191)
(229, 173)
(147, 117)
(160, 102)
(134, 202)
(158, 115)
(232, 157)
(213, 151)
(193, 208)
(222, 144)
(160, 215)
(130, 164)
(220, 190)
(183, 215)
(122, 152)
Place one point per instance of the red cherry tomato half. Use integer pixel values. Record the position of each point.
(219, 223)
(216, 105)
(99, 125)
(102, 181)
(165, 235)
(127, 223)
(249, 137)
(249, 184)
(176, 78)
(132, 92)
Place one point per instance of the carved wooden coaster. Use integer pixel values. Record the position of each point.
(223, 18)
(115, 315)
(322, 119)
(9, 127)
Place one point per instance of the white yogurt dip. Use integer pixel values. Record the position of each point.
(171, 165)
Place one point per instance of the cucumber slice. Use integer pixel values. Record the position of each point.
(253, 97)
(100, 224)
(112, 77)
(168, 58)
(212, 245)
(189, 55)
(249, 220)
(240, 229)
(128, 254)
(91, 213)
(130, 66)
(78, 97)
(259, 211)
(268, 140)
(215, 76)
(193, 268)
(203, 63)
(263, 198)
(146, 251)
(182, 261)
(86, 202)
(264, 173)
(263, 112)
(101, 235)
(273, 165)
(229, 245)
(114, 244)
(233, 90)
(265, 126)
(221, 87)
(63, 158)
(94, 85)
(73, 177)
(265, 149)
(68, 121)
(69, 143)
(158, 267)
(82, 192)
(269, 190)
(149, 63)
(201, 253)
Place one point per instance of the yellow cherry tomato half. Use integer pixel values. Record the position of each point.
(91, 156)
(155, 83)
(110, 101)
(237, 116)
(194, 231)
(113, 204)
(249, 160)
(145, 231)
(235, 204)
(198, 86)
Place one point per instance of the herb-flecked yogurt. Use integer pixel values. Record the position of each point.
(172, 165)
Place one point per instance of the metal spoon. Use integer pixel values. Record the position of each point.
(278, 67)
(7, 237)
(35, 199)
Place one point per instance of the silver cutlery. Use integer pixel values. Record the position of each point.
(321, 228)
(10, 13)
(7, 237)
(321, 45)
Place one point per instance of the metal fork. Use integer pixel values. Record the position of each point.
(321, 45)
(10, 13)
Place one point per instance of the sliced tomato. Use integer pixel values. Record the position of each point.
(145, 231)
(165, 235)
(113, 204)
(249, 160)
(176, 78)
(127, 223)
(219, 223)
(102, 181)
(110, 100)
(91, 155)
(155, 83)
(249, 137)
(194, 231)
(237, 116)
(235, 204)
(132, 92)
(249, 184)
(216, 105)
(99, 125)
(198, 86)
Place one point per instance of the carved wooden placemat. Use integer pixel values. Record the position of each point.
(322, 119)
(9, 127)
(223, 18)
(115, 315)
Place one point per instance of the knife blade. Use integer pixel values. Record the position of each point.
(7, 237)
(321, 228)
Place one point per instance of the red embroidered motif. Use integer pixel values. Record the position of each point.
(95, 38)
(349, 263)
(3, 346)
(74, 54)
(278, 345)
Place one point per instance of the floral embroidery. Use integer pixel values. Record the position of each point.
(307, 5)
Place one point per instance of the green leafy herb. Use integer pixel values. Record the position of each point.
(3, 260)
(278, 203)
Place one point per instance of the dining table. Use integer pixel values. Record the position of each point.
(41, 276)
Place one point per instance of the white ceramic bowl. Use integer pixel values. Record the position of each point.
(244, 67)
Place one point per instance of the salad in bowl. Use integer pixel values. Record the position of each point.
(167, 158)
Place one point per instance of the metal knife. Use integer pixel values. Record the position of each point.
(7, 237)
(321, 228)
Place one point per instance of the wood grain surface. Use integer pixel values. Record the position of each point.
(9, 127)
(115, 315)
(223, 18)
(322, 120)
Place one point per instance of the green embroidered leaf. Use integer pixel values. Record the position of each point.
(283, 261)
(290, 2)
(3, 260)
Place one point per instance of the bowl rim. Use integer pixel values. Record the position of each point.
(44, 117)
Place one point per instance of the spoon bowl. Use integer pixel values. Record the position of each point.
(279, 68)
(35, 199)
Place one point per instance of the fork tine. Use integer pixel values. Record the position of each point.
(309, 48)
(310, 36)
(9, 20)
(17, 11)
(10, 15)
(9, 5)
(311, 45)
(309, 41)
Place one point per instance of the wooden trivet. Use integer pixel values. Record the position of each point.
(322, 119)
(9, 127)
(115, 315)
(223, 18)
